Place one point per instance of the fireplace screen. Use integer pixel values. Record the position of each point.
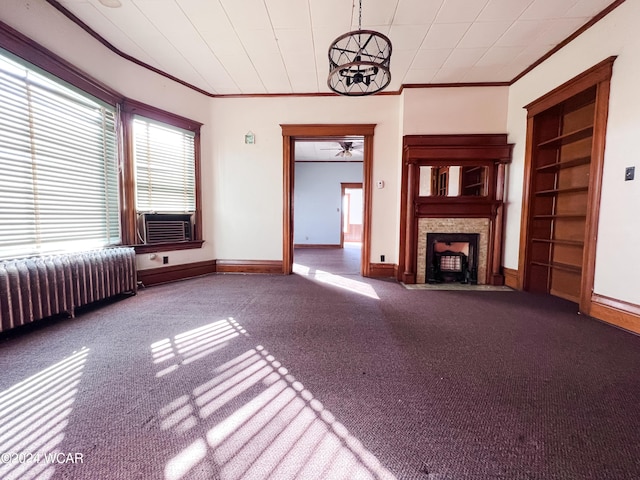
(451, 263)
(452, 257)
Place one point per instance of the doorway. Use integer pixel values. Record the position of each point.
(351, 218)
(341, 133)
(327, 205)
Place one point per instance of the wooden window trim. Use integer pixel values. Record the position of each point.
(128, 212)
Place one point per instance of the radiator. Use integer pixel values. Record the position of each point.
(35, 288)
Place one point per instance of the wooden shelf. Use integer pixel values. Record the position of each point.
(552, 167)
(560, 215)
(473, 185)
(567, 138)
(558, 241)
(560, 191)
(563, 178)
(559, 266)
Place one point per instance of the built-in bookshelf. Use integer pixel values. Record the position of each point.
(564, 161)
(561, 160)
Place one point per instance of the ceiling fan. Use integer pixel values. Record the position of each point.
(346, 149)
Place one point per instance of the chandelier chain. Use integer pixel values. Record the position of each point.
(360, 17)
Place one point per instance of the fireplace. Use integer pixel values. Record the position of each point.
(453, 184)
(452, 257)
(477, 227)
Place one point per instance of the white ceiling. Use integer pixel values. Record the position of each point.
(230, 47)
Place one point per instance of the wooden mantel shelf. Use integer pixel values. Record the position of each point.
(456, 207)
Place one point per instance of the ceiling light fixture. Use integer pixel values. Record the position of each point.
(359, 62)
(111, 3)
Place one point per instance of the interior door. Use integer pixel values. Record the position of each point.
(352, 213)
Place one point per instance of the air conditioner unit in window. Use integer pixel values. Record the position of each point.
(165, 227)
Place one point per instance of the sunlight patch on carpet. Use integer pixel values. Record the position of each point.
(272, 428)
(33, 416)
(194, 345)
(340, 281)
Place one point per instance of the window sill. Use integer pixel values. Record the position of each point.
(164, 247)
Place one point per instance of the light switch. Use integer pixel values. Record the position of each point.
(629, 173)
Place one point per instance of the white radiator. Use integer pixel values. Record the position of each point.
(35, 288)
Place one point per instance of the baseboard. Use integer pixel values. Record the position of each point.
(383, 270)
(154, 276)
(249, 266)
(311, 245)
(617, 312)
(510, 277)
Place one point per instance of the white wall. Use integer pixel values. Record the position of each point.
(247, 181)
(617, 34)
(454, 110)
(317, 200)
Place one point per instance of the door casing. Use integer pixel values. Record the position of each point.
(291, 133)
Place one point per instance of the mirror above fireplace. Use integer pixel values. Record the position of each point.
(453, 181)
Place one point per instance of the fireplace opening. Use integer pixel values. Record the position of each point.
(452, 258)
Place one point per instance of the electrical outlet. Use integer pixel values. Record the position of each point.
(165, 260)
(382, 258)
(629, 173)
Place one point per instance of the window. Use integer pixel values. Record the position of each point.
(164, 169)
(59, 184)
(69, 178)
(164, 158)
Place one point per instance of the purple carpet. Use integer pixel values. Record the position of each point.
(320, 375)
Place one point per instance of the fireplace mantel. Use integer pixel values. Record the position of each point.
(439, 153)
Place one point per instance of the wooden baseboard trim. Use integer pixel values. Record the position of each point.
(383, 270)
(310, 245)
(249, 266)
(510, 277)
(617, 312)
(154, 276)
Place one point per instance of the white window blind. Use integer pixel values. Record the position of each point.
(164, 158)
(58, 159)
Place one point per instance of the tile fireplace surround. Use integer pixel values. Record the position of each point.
(453, 225)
